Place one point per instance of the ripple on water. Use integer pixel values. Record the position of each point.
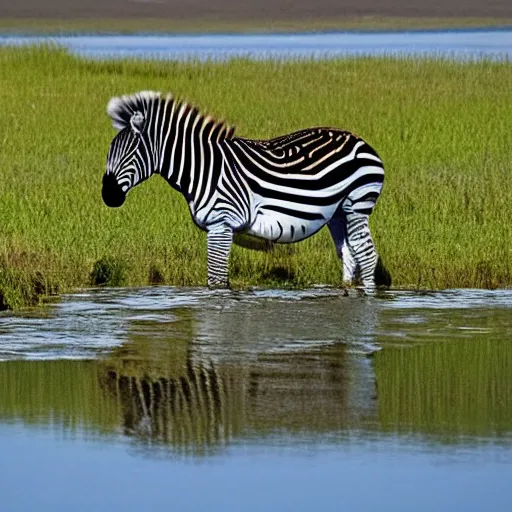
(91, 323)
(453, 299)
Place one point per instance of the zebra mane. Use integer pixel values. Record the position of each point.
(121, 110)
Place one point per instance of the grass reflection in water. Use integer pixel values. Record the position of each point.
(169, 384)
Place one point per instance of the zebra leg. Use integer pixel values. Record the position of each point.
(362, 247)
(338, 229)
(219, 239)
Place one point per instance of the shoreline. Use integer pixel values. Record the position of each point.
(100, 26)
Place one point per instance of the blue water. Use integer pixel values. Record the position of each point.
(462, 45)
(183, 399)
(387, 475)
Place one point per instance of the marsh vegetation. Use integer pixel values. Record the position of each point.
(442, 128)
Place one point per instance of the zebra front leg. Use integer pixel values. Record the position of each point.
(337, 228)
(219, 239)
(362, 248)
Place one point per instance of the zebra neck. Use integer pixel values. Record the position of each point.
(196, 170)
(191, 155)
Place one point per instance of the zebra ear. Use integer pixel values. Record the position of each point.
(137, 122)
(128, 111)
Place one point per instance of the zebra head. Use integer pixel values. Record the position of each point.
(129, 160)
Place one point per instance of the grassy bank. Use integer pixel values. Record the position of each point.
(443, 130)
(133, 25)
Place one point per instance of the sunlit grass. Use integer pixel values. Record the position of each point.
(442, 128)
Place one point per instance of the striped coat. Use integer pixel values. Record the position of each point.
(282, 190)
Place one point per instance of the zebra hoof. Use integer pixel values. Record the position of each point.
(218, 285)
(368, 291)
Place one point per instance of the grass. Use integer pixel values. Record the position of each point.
(129, 26)
(442, 128)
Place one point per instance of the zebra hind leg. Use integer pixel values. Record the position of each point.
(362, 247)
(338, 229)
(219, 240)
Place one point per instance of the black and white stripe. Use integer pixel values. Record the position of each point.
(282, 190)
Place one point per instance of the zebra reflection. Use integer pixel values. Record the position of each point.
(236, 367)
(201, 408)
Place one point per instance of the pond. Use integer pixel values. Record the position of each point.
(257, 400)
(452, 44)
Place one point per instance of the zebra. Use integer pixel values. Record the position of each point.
(282, 190)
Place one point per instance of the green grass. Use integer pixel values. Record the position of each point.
(127, 26)
(442, 128)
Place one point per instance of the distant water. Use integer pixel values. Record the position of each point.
(455, 44)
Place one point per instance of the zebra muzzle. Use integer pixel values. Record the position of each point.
(112, 194)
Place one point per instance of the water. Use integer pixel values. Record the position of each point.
(257, 400)
(454, 44)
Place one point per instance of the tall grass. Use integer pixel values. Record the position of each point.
(442, 128)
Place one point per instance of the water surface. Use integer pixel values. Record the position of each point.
(257, 400)
(451, 44)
